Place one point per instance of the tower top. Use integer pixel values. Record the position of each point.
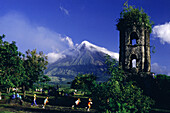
(131, 16)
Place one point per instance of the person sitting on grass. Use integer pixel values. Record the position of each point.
(34, 102)
(76, 103)
(45, 102)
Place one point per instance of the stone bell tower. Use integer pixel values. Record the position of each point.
(134, 52)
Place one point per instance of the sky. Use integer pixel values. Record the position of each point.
(53, 26)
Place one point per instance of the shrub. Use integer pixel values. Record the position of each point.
(118, 95)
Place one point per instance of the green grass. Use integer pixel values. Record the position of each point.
(6, 112)
(160, 110)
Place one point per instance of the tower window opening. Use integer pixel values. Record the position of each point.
(133, 38)
(134, 42)
(134, 63)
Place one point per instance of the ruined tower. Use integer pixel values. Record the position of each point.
(134, 52)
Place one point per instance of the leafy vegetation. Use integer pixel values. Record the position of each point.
(84, 82)
(34, 65)
(117, 94)
(131, 16)
(18, 70)
(162, 91)
(11, 68)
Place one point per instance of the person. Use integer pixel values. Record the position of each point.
(45, 102)
(75, 91)
(62, 92)
(34, 102)
(17, 95)
(13, 95)
(89, 104)
(0, 96)
(153, 75)
(77, 102)
(19, 99)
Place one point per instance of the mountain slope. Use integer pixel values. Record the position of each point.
(84, 58)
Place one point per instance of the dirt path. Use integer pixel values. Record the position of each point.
(38, 109)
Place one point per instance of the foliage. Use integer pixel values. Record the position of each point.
(131, 16)
(153, 49)
(83, 81)
(34, 65)
(162, 77)
(163, 82)
(118, 95)
(18, 70)
(44, 80)
(11, 64)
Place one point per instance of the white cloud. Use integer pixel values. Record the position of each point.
(69, 41)
(162, 32)
(52, 57)
(27, 35)
(155, 67)
(64, 10)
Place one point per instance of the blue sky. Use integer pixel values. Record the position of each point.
(55, 25)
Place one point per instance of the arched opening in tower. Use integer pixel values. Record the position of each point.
(134, 42)
(133, 38)
(133, 63)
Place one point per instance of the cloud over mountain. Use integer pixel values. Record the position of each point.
(162, 32)
(74, 50)
(28, 35)
(52, 57)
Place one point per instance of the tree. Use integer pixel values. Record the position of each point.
(44, 80)
(118, 95)
(34, 65)
(163, 82)
(11, 68)
(18, 70)
(83, 81)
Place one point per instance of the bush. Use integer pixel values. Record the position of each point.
(119, 96)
